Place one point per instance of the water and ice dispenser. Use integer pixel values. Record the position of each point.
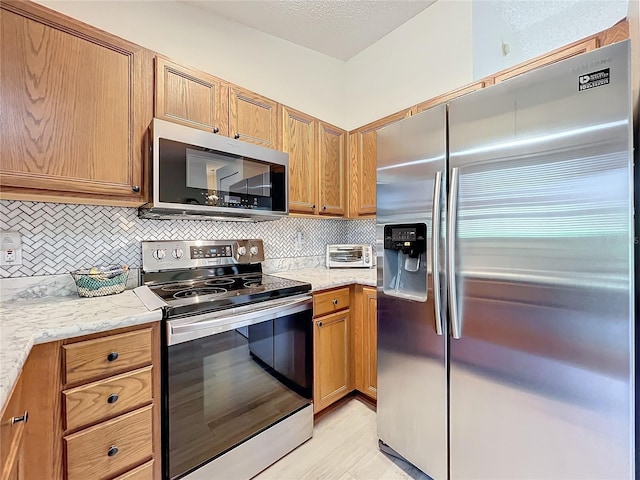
(405, 261)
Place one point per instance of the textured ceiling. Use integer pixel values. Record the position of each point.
(338, 28)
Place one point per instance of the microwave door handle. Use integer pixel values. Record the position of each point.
(435, 251)
(224, 323)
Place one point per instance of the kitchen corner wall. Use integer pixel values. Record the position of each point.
(59, 238)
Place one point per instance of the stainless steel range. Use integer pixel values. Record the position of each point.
(238, 358)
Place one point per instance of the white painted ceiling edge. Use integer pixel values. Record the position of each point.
(429, 54)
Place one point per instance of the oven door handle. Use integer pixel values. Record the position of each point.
(223, 323)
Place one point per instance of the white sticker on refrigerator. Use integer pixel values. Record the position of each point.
(592, 80)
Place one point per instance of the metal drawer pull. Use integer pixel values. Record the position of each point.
(112, 356)
(335, 301)
(113, 398)
(319, 324)
(24, 418)
(113, 451)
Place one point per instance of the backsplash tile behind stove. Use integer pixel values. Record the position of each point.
(58, 238)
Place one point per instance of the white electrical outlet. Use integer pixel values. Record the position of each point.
(10, 249)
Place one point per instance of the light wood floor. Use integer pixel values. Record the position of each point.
(344, 447)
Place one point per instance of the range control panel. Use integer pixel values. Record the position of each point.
(210, 251)
(161, 255)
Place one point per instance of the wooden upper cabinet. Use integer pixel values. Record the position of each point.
(421, 107)
(362, 167)
(252, 117)
(299, 141)
(76, 103)
(563, 53)
(190, 97)
(332, 151)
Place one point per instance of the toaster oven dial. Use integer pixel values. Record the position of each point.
(177, 253)
(253, 250)
(158, 254)
(242, 251)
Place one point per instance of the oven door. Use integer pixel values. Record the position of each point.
(202, 172)
(219, 393)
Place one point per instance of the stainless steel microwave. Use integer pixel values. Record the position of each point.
(201, 175)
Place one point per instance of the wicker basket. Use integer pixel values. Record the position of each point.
(108, 281)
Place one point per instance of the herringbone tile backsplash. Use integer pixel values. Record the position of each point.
(59, 238)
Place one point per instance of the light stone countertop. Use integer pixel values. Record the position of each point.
(322, 278)
(26, 323)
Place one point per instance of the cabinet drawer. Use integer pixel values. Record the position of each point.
(329, 302)
(143, 472)
(104, 399)
(105, 356)
(91, 453)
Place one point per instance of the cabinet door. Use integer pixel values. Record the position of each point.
(555, 56)
(362, 170)
(12, 435)
(370, 341)
(299, 141)
(252, 117)
(76, 103)
(190, 97)
(332, 148)
(331, 359)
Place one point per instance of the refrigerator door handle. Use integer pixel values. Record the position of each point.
(456, 327)
(435, 248)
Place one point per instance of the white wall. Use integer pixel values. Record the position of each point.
(428, 55)
(290, 74)
(534, 27)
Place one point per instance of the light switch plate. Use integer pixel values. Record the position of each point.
(10, 248)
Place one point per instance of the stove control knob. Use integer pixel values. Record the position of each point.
(177, 253)
(158, 254)
(242, 251)
(253, 250)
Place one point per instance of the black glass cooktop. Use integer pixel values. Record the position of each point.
(217, 293)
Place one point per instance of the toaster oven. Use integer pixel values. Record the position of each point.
(350, 256)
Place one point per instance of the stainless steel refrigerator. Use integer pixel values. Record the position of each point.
(505, 278)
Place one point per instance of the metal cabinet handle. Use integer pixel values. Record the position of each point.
(216, 130)
(236, 136)
(112, 356)
(313, 206)
(435, 251)
(456, 327)
(324, 207)
(335, 301)
(113, 398)
(113, 451)
(135, 188)
(319, 324)
(23, 418)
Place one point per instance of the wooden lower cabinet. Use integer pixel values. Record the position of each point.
(345, 344)
(101, 424)
(12, 427)
(332, 358)
(366, 341)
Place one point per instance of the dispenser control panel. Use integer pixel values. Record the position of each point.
(406, 237)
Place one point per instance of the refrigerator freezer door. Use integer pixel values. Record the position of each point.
(412, 382)
(541, 380)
